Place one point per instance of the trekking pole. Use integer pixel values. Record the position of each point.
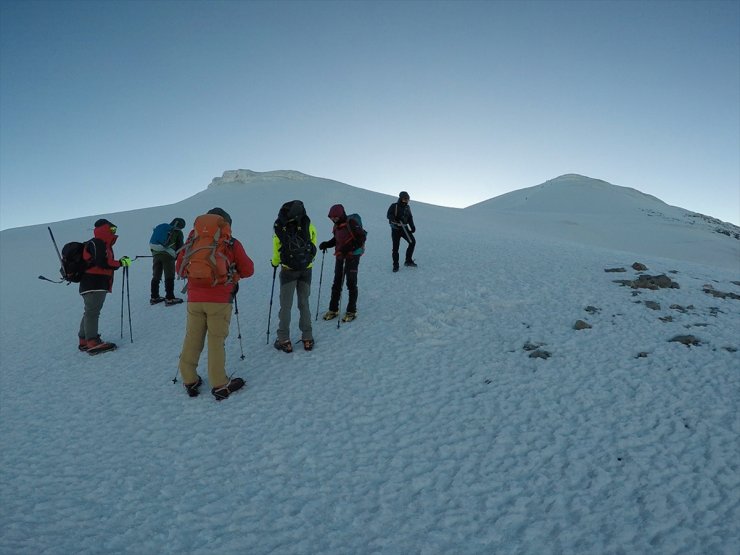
(51, 280)
(61, 263)
(406, 232)
(143, 256)
(269, 317)
(55, 244)
(238, 328)
(128, 300)
(123, 289)
(321, 278)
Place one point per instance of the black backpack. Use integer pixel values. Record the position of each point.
(73, 262)
(292, 227)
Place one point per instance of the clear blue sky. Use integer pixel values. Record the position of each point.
(109, 106)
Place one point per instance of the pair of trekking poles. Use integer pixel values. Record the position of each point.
(318, 300)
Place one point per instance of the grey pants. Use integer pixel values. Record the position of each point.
(93, 305)
(292, 281)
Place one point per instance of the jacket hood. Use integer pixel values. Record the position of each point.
(178, 223)
(103, 231)
(337, 211)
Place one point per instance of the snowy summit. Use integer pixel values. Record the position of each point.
(558, 375)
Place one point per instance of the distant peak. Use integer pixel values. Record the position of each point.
(575, 179)
(249, 176)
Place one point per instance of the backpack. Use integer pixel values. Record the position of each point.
(161, 235)
(206, 261)
(73, 261)
(293, 228)
(354, 239)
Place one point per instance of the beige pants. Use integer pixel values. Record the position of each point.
(210, 319)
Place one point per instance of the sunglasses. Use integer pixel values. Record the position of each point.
(113, 228)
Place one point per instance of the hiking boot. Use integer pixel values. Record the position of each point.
(286, 346)
(307, 344)
(193, 388)
(395, 267)
(221, 393)
(410, 263)
(349, 316)
(156, 300)
(331, 314)
(97, 345)
(173, 300)
(83, 344)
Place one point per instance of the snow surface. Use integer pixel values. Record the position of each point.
(422, 427)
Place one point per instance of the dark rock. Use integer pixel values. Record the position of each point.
(532, 346)
(655, 282)
(687, 340)
(652, 305)
(649, 282)
(639, 267)
(615, 270)
(539, 354)
(709, 290)
(581, 325)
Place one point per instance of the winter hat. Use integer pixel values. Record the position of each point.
(337, 211)
(178, 223)
(221, 212)
(403, 195)
(103, 221)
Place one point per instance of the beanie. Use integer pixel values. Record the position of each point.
(220, 212)
(102, 221)
(403, 194)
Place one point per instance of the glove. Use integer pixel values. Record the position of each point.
(125, 261)
(323, 246)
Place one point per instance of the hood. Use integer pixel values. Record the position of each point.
(337, 211)
(103, 231)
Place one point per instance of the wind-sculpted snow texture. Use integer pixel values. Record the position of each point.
(422, 427)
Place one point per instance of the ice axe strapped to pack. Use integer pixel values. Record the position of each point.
(205, 262)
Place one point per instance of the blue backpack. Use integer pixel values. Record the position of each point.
(161, 235)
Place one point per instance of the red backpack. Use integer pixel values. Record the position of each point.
(207, 259)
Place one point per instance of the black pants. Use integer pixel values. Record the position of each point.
(346, 268)
(163, 264)
(398, 234)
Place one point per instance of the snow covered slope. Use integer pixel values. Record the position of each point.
(462, 412)
(593, 212)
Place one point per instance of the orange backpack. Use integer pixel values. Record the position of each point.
(206, 261)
